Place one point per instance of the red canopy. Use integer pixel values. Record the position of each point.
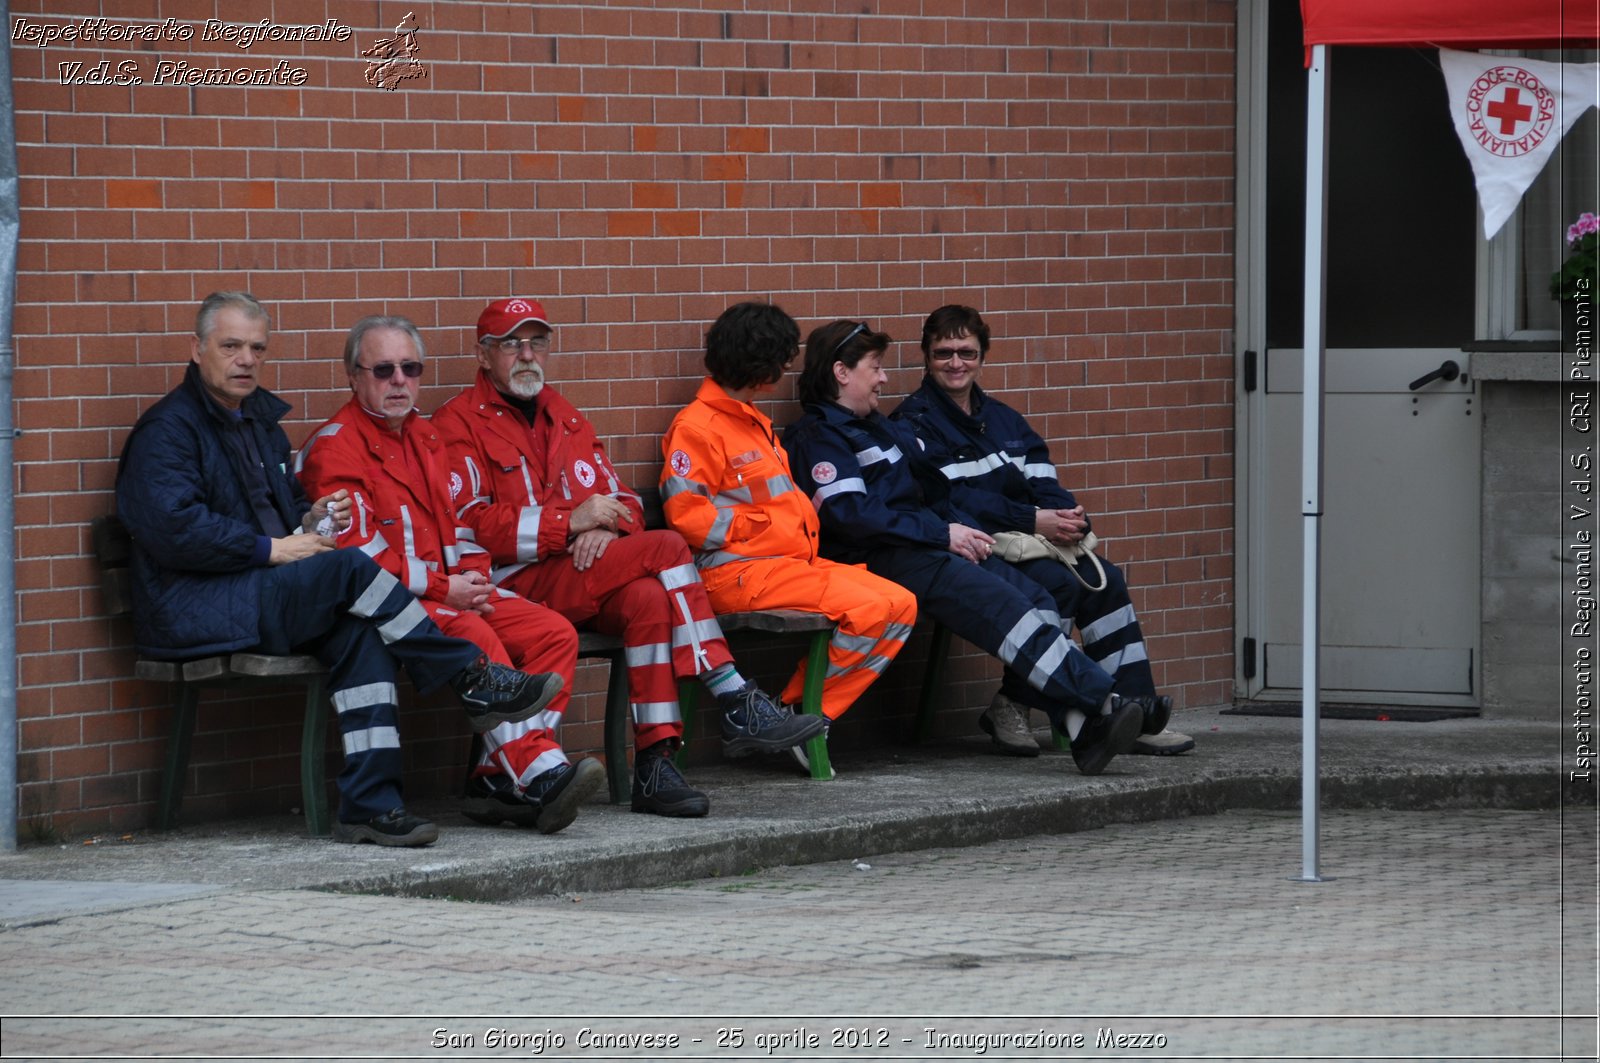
(1457, 23)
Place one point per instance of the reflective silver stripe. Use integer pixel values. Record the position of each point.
(715, 558)
(361, 511)
(850, 485)
(528, 533)
(622, 494)
(503, 593)
(506, 733)
(695, 633)
(876, 665)
(375, 546)
(717, 536)
(1038, 472)
(779, 485)
(452, 556)
(1113, 621)
(873, 455)
(871, 664)
(475, 496)
(370, 739)
(404, 622)
(465, 535)
(408, 532)
(896, 632)
(673, 486)
(416, 576)
(648, 654)
(853, 643)
(468, 549)
(527, 481)
(1053, 618)
(962, 470)
(371, 599)
(546, 761)
(1051, 661)
(325, 430)
(363, 697)
(678, 576)
(1132, 654)
(734, 496)
(505, 572)
(1020, 633)
(648, 712)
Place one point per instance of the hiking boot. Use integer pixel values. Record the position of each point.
(660, 788)
(1006, 721)
(802, 758)
(1104, 734)
(1157, 711)
(1165, 744)
(753, 723)
(394, 827)
(549, 803)
(494, 694)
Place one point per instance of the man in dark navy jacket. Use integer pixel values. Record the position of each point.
(1000, 472)
(230, 555)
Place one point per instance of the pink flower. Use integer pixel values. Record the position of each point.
(1587, 223)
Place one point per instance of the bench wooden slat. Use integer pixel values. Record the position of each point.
(266, 666)
(775, 622)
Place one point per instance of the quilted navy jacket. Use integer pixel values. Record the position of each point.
(180, 492)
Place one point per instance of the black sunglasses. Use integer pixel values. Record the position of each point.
(386, 370)
(848, 336)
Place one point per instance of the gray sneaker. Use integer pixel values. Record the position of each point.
(1006, 721)
(1165, 744)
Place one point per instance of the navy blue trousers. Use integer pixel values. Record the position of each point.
(1003, 612)
(1105, 618)
(359, 621)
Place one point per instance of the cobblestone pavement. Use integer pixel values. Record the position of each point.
(1444, 935)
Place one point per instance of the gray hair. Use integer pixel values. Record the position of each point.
(214, 303)
(352, 342)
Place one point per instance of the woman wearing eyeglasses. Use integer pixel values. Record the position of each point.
(1000, 471)
(881, 502)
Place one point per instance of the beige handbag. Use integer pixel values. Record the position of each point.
(1020, 546)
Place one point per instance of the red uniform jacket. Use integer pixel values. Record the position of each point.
(403, 520)
(515, 485)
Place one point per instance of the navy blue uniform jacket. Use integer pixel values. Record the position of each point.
(181, 492)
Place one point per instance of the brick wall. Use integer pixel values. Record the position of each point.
(1066, 166)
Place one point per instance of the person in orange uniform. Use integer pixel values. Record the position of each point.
(531, 480)
(727, 488)
(395, 468)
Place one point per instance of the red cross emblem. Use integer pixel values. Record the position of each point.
(1509, 111)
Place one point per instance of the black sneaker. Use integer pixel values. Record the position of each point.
(1105, 734)
(1157, 710)
(394, 827)
(549, 803)
(660, 788)
(753, 723)
(494, 694)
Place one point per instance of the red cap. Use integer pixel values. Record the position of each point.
(504, 316)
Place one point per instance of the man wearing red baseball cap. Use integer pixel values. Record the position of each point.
(532, 482)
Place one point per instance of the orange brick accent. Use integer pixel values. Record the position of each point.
(638, 169)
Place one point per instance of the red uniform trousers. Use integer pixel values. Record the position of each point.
(874, 617)
(534, 639)
(645, 589)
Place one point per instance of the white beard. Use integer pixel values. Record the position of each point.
(527, 383)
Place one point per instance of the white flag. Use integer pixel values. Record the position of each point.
(1510, 114)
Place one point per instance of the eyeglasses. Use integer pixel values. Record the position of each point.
(386, 370)
(512, 345)
(861, 327)
(966, 354)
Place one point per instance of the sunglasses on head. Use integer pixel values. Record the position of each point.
(386, 370)
(861, 327)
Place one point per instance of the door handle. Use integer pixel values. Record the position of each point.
(1448, 371)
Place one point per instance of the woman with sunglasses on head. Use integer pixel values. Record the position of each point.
(1000, 471)
(883, 503)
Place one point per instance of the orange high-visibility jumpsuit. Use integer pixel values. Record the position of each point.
(401, 517)
(727, 489)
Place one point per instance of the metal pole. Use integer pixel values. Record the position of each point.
(1311, 452)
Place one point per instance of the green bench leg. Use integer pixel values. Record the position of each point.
(1059, 740)
(811, 702)
(183, 714)
(932, 680)
(314, 758)
(619, 725)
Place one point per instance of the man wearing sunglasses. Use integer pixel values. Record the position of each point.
(531, 479)
(230, 554)
(390, 461)
(1001, 473)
